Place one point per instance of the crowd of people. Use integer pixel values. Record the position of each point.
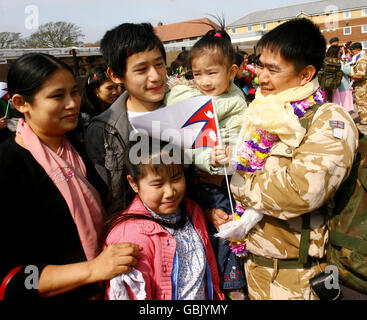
(91, 221)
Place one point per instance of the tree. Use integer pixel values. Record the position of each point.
(56, 35)
(10, 40)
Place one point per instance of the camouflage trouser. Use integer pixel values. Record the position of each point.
(361, 102)
(280, 284)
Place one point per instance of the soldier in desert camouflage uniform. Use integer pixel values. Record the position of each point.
(301, 171)
(359, 77)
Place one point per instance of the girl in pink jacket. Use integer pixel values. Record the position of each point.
(177, 261)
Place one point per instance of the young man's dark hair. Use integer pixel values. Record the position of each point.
(308, 49)
(126, 39)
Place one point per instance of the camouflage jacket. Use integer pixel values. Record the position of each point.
(360, 69)
(297, 181)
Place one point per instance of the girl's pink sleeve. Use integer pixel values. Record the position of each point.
(129, 232)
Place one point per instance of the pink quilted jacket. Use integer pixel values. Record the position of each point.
(159, 249)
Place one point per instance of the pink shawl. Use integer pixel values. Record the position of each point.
(67, 171)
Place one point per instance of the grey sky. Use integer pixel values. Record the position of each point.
(97, 16)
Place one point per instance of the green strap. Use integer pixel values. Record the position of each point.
(306, 118)
(305, 239)
(284, 263)
(351, 243)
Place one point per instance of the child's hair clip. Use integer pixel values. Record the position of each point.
(217, 35)
(95, 77)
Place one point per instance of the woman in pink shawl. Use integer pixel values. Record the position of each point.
(52, 214)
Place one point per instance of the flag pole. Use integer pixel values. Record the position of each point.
(7, 109)
(225, 168)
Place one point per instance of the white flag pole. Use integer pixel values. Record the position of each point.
(225, 168)
(7, 109)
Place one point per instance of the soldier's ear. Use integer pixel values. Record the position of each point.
(307, 74)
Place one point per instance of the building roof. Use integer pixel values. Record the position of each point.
(184, 30)
(289, 12)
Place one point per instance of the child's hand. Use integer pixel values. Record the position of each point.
(217, 217)
(3, 122)
(220, 156)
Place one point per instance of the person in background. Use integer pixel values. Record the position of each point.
(179, 67)
(245, 58)
(334, 41)
(250, 78)
(343, 95)
(359, 77)
(99, 93)
(52, 214)
(239, 79)
(4, 111)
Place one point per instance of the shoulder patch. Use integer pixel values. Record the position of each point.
(336, 124)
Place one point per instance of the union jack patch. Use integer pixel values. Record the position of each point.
(336, 124)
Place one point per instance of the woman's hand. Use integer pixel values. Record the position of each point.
(112, 261)
(115, 259)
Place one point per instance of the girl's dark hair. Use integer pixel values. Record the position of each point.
(299, 41)
(27, 74)
(141, 157)
(333, 52)
(216, 42)
(90, 103)
(125, 40)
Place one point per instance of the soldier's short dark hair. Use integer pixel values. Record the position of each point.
(299, 41)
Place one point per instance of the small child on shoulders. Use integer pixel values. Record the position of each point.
(212, 62)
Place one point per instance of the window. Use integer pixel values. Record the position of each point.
(364, 45)
(346, 14)
(364, 28)
(263, 26)
(364, 12)
(347, 31)
(249, 28)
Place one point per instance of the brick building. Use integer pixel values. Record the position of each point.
(182, 35)
(345, 19)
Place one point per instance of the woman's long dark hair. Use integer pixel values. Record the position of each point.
(27, 74)
(137, 165)
(90, 102)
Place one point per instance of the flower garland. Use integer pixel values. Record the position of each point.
(238, 246)
(253, 153)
